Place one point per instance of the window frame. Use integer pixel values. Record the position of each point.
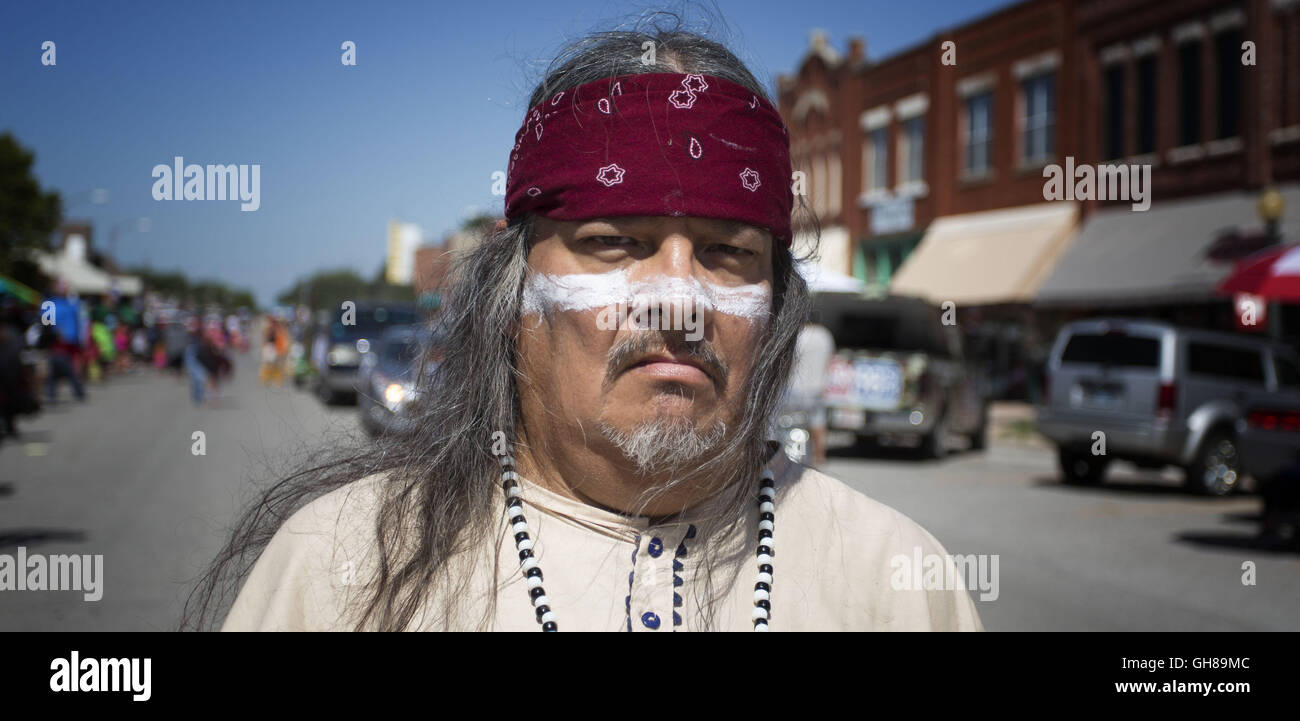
(1045, 130)
(987, 96)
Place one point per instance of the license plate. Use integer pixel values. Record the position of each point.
(848, 418)
(878, 383)
(1101, 400)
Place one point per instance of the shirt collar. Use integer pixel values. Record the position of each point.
(626, 527)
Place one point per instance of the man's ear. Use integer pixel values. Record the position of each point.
(500, 226)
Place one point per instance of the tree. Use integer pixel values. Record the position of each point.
(202, 292)
(172, 283)
(325, 289)
(28, 215)
(479, 223)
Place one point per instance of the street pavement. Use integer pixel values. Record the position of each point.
(1135, 553)
(117, 476)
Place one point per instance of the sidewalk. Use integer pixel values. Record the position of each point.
(1013, 423)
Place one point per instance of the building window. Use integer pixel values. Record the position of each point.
(878, 159)
(1038, 143)
(1189, 92)
(1146, 104)
(1288, 106)
(1227, 52)
(1114, 127)
(911, 151)
(979, 133)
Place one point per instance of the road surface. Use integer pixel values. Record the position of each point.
(117, 476)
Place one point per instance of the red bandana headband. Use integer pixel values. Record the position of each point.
(658, 144)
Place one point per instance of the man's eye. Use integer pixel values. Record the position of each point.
(613, 241)
(731, 249)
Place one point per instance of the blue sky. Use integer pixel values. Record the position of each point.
(413, 131)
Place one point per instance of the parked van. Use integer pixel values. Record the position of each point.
(900, 372)
(1158, 395)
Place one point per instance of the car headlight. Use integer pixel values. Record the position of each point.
(342, 355)
(394, 394)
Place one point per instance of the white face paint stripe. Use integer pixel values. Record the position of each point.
(589, 291)
(580, 291)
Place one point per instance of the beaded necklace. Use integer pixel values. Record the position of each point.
(533, 574)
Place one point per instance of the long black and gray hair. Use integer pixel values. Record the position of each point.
(438, 488)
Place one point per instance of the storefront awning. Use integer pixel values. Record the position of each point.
(1158, 256)
(989, 257)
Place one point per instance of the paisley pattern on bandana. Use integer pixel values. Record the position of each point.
(660, 144)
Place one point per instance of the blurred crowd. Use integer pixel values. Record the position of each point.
(79, 342)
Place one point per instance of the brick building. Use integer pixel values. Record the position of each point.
(926, 168)
(890, 145)
(1206, 93)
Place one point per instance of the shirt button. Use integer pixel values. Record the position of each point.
(656, 547)
(650, 620)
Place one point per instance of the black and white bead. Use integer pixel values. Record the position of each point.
(766, 524)
(524, 544)
(528, 562)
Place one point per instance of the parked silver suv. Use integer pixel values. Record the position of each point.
(1161, 395)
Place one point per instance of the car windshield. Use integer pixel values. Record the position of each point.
(400, 352)
(1114, 349)
(895, 324)
(870, 331)
(370, 322)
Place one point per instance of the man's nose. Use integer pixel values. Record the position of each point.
(668, 283)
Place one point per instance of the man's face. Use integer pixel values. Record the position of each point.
(643, 325)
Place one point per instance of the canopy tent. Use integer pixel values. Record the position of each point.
(85, 278)
(824, 280)
(1273, 273)
(19, 291)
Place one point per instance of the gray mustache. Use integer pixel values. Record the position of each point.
(637, 345)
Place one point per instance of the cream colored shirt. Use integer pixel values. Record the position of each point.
(833, 567)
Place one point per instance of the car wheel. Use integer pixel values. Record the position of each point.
(979, 440)
(1217, 468)
(865, 444)
(1081, 468)
(934, 443)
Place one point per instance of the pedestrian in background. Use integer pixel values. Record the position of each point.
(813, 352)
(275, 353)
(61, 340)
(193, 362)
(14, 394)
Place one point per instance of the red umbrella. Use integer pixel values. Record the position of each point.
(1273, 274)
